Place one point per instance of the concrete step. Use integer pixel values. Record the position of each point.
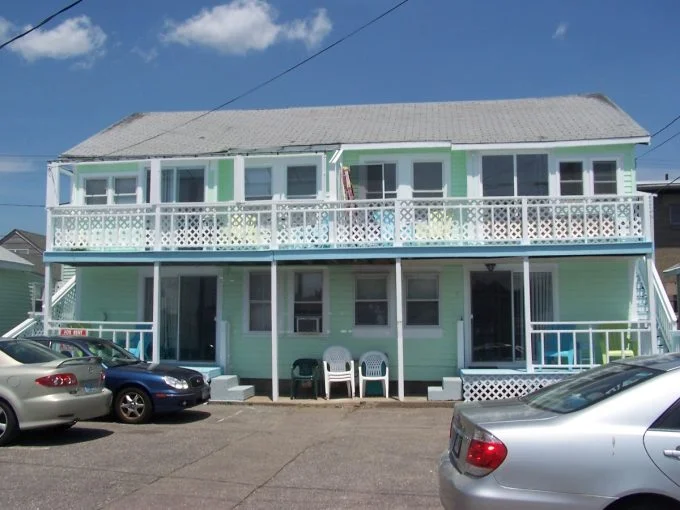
(436, 393)
(453, 387)
(222, 383)
(235, 394)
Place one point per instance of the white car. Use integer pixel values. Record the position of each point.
(41, 388)
(605, 439)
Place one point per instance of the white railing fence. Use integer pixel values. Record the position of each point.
(586, 344)
(135, 337)
(350, 223)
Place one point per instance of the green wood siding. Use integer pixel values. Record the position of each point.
(458, 174)
(425, 358)
(110, 168)
(225, 180)
(108, 293)
(595, 290)
(15, 297)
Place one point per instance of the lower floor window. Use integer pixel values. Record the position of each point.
(308, 302)
(370, 305)
(259, 302)
(422, 300)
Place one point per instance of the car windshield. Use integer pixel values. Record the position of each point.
(587, 388)
(25, 351)
(110, 353)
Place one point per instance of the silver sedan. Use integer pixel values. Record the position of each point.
(41, 388)
(608, 438)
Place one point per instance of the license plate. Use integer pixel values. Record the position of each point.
(91, 388)
(457, 442)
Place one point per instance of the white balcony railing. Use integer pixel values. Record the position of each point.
(355, 224)
(587, 344)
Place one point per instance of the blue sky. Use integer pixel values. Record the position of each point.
(103, 60)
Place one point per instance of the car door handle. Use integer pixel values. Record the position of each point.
(672, 453)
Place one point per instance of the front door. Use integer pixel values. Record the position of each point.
(187, 318)
(497, 306)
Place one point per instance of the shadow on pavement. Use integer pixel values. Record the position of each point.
(52, 437)
(186, 416)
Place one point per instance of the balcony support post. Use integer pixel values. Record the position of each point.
(155, 199)
(400, 329)
(527, 315)
(651, 292)
(47, 299)
(156, 338)
(275, 332)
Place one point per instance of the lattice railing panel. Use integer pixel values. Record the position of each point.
(490, 386)
(355, 223)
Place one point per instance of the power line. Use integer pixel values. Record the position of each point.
(658, 146)
(28, 156)
(20, 205)
(666, 126)
(46, 20)
(270, 80)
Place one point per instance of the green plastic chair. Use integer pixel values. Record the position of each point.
(304, 369)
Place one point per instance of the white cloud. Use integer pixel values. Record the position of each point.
(146, 55)
(14, 165)
(74, 38)
(246, 25)
(5, 29)
(561, 31)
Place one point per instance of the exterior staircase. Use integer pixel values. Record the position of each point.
(451, 389)
(668, 336)
(226, 388)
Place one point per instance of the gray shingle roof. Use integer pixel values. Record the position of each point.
(565, 118)
(9, 260)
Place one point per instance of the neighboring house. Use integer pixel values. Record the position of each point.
(460, 238)
(16, 277)
(666, 231)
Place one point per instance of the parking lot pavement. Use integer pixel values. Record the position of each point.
(245, 457)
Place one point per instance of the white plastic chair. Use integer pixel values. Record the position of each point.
(338, 366)
(373, 361)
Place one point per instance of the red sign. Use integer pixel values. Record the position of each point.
(72, 332)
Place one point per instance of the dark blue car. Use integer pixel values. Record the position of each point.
(139, 388)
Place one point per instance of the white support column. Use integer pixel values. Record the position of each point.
(52, 188)
(651, 292)
(400, 329)
(275, 333)
(47, 299)
(156, 339)
(155, 199)
(527, 314)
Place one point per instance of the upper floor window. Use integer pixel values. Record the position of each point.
(111, 190)
(571, 178)
(301, 181)
(604, 177)
(258, 184)
(179, 185)
(428, 180)
(377, 181)
(515, 175)
(96, 191)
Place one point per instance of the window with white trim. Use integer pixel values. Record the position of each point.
(571, 178)
(604, 177)
(125, 190)
(96, 191)
(179, 185)
(422, 300)
(515, 175)
(301, 182)
(308, 302)
(370, 300)
(376, 181)
(428, 180)
(258, 183)
(259, 301)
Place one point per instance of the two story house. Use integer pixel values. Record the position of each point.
(488, 240)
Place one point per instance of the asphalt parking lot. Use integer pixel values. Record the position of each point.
(245, 457)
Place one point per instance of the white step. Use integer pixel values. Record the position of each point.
(226, 388)
(436, 393)
(453, 387)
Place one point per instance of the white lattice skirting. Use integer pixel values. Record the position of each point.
(486, 385)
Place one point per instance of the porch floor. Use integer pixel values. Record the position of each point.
(410, 401)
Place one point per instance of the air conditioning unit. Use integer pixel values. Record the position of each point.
(307, 324)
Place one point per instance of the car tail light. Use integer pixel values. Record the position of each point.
(58, 380)
(102, 377)
(485, 453)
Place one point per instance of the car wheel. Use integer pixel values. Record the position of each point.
(132, 405)
(9, 428)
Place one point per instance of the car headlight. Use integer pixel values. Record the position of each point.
(173, 382)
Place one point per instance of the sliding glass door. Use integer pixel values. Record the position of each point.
(187, 316)
(497, 306)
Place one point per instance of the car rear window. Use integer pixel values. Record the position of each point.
(26, 351)
(589, 387)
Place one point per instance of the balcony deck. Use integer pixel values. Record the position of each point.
(356, 224)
